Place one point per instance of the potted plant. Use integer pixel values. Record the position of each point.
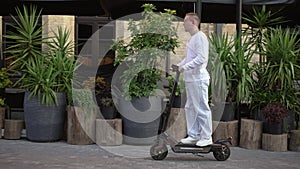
(274, 113)
(235, 61)
(151, 39)
(107, 108)
(46, 76)
(276, 75)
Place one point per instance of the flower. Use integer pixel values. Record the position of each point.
(275, 112)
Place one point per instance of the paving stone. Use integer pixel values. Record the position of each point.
(23, 154)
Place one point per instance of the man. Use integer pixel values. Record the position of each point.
(196, 77)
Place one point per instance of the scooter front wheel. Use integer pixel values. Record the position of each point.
(159, 152)
(222, 154)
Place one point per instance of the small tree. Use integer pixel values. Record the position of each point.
(151, 40)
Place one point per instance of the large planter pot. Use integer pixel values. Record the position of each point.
(224, 111)
(140, 119)
(44, 123)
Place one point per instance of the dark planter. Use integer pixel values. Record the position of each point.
(289, 122)
(229, 112)
(140, 118)
(109, 112)
(44, 123)
(274, 128)
(223, 111)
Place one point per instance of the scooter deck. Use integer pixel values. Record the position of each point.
(193, 148)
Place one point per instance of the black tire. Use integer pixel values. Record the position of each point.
(159, 152)
(222, 154)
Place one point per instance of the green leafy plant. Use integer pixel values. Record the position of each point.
(151, 40)
(2, 102)
(83, 98)
(43, 73)
(4, 78)
(106, 102)
(26, 40)
(180, 85)
(260, 20)
(277, 74)
(235, 62)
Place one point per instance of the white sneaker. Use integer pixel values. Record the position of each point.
(204, 142)
(189, 140)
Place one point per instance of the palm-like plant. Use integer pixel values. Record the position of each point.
(277, 75)
(26, 41)
(260, 20)
(43, 73)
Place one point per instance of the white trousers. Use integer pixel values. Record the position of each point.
(198, 113)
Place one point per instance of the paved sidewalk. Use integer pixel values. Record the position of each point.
(23, 154)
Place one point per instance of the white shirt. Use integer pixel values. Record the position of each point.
(195, 61)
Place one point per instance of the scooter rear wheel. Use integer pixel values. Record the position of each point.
(222, 154)
(159, 152)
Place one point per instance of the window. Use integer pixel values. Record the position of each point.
(94, 35)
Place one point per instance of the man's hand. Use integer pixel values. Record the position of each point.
(180, 69)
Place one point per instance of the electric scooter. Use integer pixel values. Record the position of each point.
(159, 149)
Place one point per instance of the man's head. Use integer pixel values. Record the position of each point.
(191, 22)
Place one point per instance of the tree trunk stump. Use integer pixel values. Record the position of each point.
(224, 130)
(274, 142)
(75, 132)
(294, 144)
(177, 124)
(251, 134)
(13, 129)
(109, 132)
(2, 117)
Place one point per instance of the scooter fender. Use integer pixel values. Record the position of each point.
(224, 141)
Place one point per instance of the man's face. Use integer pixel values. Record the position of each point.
(187, 24)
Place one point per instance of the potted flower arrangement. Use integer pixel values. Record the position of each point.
(274, 114)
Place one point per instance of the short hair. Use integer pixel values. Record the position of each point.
(194, 16)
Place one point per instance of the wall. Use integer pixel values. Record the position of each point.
(52, 22)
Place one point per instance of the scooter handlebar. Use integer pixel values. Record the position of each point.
(174, 68)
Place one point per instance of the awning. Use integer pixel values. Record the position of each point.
(213, 11)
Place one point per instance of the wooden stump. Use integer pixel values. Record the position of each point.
(224, 130)
(294, 144)
(13, 129)
(109, 132)
(274, 142)
(2, 116)
(177, 124)
(251, 134)
(75, 133)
